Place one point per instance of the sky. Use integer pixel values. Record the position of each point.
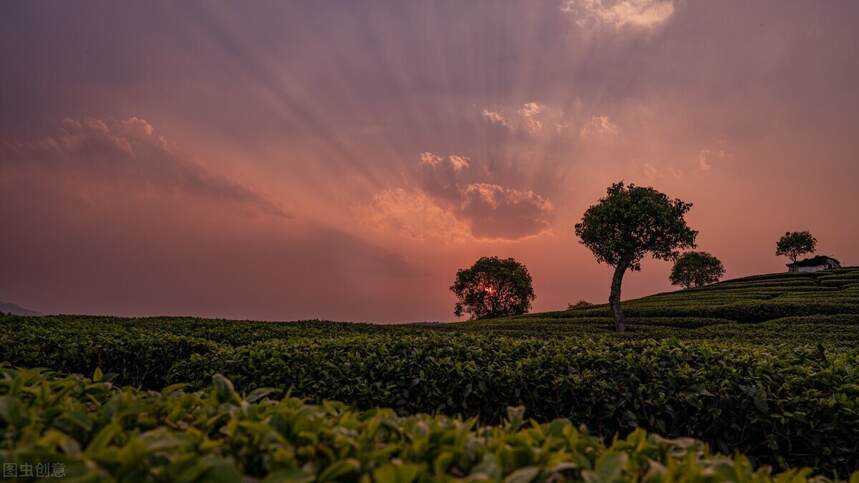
(341, 160)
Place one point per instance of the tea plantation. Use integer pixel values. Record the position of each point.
(765, 366)
(89, 430)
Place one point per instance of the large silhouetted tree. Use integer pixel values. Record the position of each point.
(629, 223)
(493, 287)
(795, 243)
(696, 269)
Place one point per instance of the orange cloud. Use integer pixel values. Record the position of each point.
(495, 211)
(598, 126)
(620, 13)
(456, 202)
(414, 215)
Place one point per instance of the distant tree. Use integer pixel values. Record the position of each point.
(581, 304)
(696, 269)
(493, 287)
(629, 223)
(795, 243)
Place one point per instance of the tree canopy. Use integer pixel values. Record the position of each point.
(493, 287)
(696, 269)
(795, 243)
(629, 223)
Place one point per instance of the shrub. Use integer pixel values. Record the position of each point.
(581, 304)
(222, 435)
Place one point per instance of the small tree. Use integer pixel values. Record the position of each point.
(795, 243)
(696, 269)
(493, 287)
(629, 223)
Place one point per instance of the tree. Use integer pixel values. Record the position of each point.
(696, 269)
(795, 243)
(493, 287)
(629, 223)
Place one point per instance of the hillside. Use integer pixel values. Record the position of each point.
(760, 310)
(762, 365)
(749, 299)
(13, 309)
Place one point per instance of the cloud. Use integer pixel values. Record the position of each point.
(598, 126)
(456, 162)
(415, 215)
(430, 159)
(620, 13)
(529, 113)
(533, 119)
(439, 175)
(495, 211)
(653, 172)
(706, 157)
(454, 200)
(495, 118)
(128, 153)
(650, 171)
(529, 118)
(139, 126)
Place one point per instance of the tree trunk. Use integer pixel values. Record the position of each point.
(614, 297)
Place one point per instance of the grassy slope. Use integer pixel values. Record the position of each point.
(836, 290)
(823, 305)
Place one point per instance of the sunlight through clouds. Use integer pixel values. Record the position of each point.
(619, 13)
(707, 156)
(415, 215)
(598, 126)
(455, 202)
(486, 125)
(531, 118)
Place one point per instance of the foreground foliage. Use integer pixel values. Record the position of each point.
(790, 405)
(99, 432)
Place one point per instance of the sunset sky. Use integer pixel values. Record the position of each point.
(340, 160)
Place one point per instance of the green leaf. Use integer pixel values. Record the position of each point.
(12, 411)
(224, 390)
(289, 476)
(260, 393)
(221, 472)
(609, 467)
(103, 438)
(339, 469)
(523, 475)
(396, 473)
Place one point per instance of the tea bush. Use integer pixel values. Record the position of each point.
(90, 430)
(782, 406)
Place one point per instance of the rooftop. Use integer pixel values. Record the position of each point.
(813, 262)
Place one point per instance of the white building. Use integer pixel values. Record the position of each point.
(815, 264)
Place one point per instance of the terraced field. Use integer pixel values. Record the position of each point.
(819, 307)
(767, 366)
(744, 300)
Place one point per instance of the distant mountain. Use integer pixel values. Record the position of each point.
(7, 308)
